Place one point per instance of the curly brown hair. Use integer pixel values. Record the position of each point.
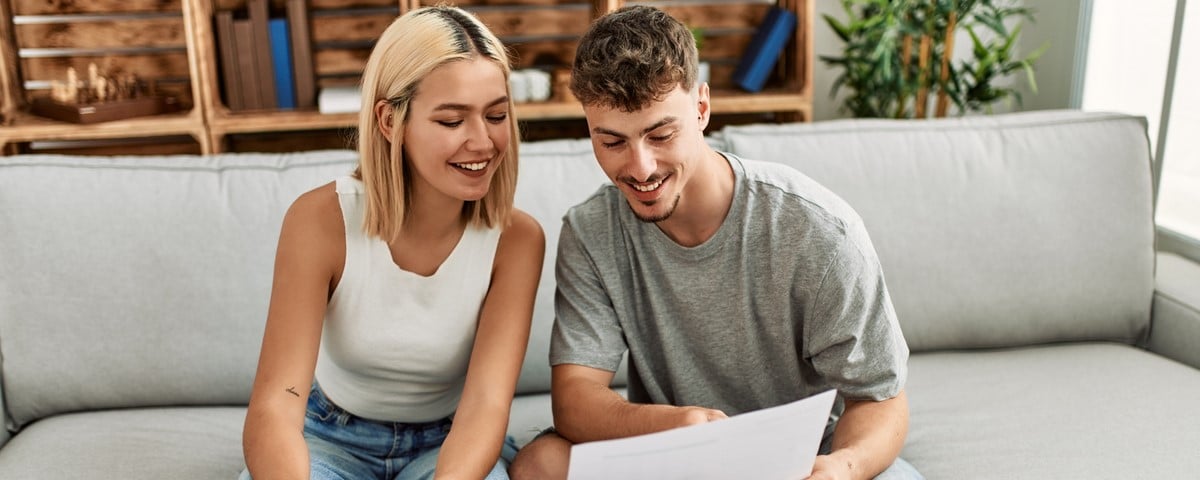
(632, 57)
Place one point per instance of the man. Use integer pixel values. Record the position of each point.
(734, 285)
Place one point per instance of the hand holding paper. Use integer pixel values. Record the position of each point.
(774, 443)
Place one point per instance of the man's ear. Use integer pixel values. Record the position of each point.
(703, 105)
(384, 116)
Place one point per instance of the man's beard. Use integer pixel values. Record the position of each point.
(656, 218)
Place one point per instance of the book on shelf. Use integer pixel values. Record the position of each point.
(281, 60)
(764, 49)
(247, 64)
(303, 72)
(227, 49)
(259, 16)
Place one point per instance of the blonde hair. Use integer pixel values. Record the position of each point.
(410, 48)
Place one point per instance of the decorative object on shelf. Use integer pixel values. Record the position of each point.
(529, 85)
(898, 54)
(101, 98)
(764, 49)
(340, 99)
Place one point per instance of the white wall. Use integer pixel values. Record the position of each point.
(825, 42)
(1056, 21)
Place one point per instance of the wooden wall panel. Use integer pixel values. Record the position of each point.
(312, 4)
(720, 75)
(149, 66)
(725, 47)
(60, 7)
(340, 61)
(558, 53)
(334, 4)
(349, 27)
(717, 16)
(532, 23)
(467, 4)
(153, 32)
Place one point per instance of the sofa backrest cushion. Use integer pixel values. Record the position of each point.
(993, 231)
(554, 176)
(135, 281)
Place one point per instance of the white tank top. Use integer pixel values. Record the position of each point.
(395, 344)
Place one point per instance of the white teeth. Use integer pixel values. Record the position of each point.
(647, 188)
(472, 166)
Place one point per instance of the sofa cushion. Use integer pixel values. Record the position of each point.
(529, 416)
(992, 231)
(178, 443)
(1078, 411)
(140, 281)
(554, 176)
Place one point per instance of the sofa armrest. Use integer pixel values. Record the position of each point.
(1175, 324)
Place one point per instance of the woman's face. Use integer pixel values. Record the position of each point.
(457, 129)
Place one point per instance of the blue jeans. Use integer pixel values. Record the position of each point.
(900, 470)
(342, 446)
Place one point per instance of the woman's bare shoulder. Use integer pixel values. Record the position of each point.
(523, 228)
(314, 222)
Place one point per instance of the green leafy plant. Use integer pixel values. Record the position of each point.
(900, 52)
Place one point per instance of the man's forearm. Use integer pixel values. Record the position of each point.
(588, 412)
(869, 435)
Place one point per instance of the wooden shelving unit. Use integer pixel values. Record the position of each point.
(38, 40)
(542, 33)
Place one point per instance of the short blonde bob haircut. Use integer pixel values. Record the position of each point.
(414, 45)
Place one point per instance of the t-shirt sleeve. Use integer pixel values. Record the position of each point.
(852, 336)
(586, 331)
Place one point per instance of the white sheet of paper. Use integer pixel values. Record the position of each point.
(773, 443)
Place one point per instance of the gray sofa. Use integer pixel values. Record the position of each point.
(1049, 338)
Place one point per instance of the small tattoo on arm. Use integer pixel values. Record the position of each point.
(292, 390)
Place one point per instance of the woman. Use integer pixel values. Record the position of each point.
(406, 290)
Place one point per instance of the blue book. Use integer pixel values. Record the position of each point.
(281, 59)
(764, 49)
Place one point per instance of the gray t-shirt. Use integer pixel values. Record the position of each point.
(786, 300)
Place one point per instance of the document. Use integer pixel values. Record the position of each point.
(778, 443)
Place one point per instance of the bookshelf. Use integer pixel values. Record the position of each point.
(39, 40)
(181, 50)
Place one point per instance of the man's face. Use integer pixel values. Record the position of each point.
(650, 154)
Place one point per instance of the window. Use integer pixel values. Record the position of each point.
(1129, 51)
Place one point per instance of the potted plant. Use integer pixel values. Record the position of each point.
(899, 53)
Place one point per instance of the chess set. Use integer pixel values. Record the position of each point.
(101, 98)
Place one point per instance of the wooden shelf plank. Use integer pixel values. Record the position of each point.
(549, 110)
(767, 101)
(29, 127)
(279, 121)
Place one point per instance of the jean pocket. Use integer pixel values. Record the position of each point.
(319, 407)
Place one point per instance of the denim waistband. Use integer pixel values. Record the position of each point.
(316, 395)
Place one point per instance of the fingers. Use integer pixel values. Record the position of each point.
(699, 415)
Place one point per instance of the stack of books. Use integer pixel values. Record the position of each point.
(266, 62)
